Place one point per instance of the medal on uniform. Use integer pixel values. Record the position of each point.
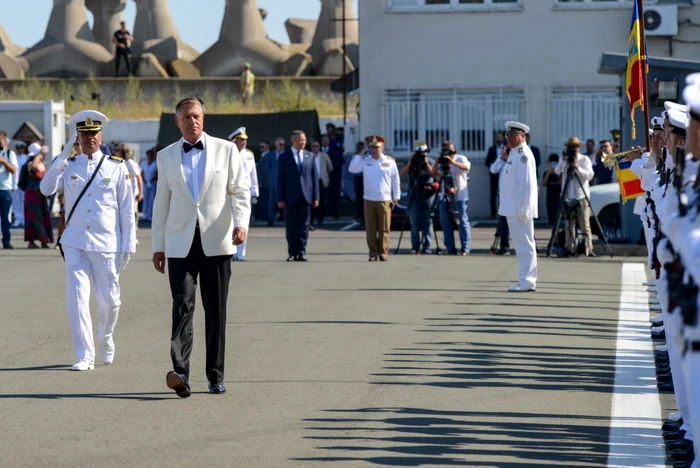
(106, 180)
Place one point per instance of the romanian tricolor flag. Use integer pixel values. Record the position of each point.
(630, 185)
(636, 76)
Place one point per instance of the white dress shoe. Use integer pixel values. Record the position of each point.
(656, 319)
(662, 348)
(660, 329)
(674, 416)
(83, 365)
(107, 351)
(521, 288)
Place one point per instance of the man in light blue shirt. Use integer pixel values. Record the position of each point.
(8, 166)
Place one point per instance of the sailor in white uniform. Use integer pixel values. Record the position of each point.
(240, 139)
(518, 202)
(99, 237)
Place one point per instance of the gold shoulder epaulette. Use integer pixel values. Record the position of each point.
(390, 157)
(116, 158)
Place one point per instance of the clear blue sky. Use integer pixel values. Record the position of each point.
(26, 20)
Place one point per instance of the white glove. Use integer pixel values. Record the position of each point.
(124, 258)
(523, 218)
(663, 254)
(65, 154)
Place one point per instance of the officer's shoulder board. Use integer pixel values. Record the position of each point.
(389, 157)
(118, 159)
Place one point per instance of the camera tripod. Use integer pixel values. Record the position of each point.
(449, 198)
(571, 174)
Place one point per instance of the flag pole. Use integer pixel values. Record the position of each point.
(645, 66)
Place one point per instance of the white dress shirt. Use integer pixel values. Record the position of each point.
(585, 175)
(381, 177)
(193, 164)
(460, 177)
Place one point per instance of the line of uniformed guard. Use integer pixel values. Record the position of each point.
(671, 219)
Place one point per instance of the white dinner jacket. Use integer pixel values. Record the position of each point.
(224, 197)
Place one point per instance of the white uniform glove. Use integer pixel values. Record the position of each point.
(124, 258)
(663, 254)
(523, 218)
(65, 154)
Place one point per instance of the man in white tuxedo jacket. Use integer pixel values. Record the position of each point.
(201, 211)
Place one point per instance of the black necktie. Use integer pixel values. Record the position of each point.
(187, 147)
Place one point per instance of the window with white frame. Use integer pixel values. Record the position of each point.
(450, 4)
(470, 118)
(597, 3)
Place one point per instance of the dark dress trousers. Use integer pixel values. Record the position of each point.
(298, 188)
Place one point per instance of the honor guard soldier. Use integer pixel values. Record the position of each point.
(99, 237)
(240, 139)
(382, 190)
(518, 203)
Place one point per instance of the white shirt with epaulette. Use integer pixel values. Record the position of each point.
(251, 171)
(380, 176)
(103, 221)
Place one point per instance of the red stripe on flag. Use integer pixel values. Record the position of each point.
(632, 188)
(634, 91)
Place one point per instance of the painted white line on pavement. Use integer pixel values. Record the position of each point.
(635, 429)
(350, 226)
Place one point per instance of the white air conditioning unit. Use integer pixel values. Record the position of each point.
(661, 20)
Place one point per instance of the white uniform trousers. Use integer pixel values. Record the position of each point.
(691, 368)
(100, 269)
(672, 329)
(525, 249)
(18, 205)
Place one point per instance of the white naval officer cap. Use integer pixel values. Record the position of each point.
(516, 127)
(239, 133)
(20, 143)
(34, 149)
(678, 120)
(657, 123)
(691, 96)
(88, 121)
(674, 105)
(692, 79)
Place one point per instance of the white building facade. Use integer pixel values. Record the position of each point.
(459, 69)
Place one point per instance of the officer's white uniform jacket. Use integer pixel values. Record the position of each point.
(249, 166)
(517, 182)
(380, 176)
(104, 219)
(644, 168)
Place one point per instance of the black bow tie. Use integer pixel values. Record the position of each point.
(187, 147)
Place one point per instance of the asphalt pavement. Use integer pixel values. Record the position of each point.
(419, 361)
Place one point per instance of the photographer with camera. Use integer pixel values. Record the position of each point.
(421, 193)
(452, 171)
(574, 164)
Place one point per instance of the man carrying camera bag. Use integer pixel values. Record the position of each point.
(421, 194)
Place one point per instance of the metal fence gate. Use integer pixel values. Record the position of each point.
(468, 117)
(581, 112)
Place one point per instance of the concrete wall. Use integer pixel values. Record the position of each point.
(534, 45)
(173, 89)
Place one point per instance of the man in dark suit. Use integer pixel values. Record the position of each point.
(335, 149)
(297, 191)
(493, 154)
(272, 161)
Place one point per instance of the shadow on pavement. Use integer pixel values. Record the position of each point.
(418, 436)
(154, 396)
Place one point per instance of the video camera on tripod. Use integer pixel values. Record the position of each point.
(444, 163)
(420, 175)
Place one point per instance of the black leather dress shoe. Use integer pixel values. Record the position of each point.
(291, 258)
(312, 227)
(672, 425)
(664, 378)
(659, 335)
(674, 435)
(178, 382)
(683, 455)
(665, 387)
(373, 258)
(217, 388)
(301, 258)
(663, 370)
(683, 444)
(683, 464)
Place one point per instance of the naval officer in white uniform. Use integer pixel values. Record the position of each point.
(518, 202)
(98, 239)
(240, 138)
